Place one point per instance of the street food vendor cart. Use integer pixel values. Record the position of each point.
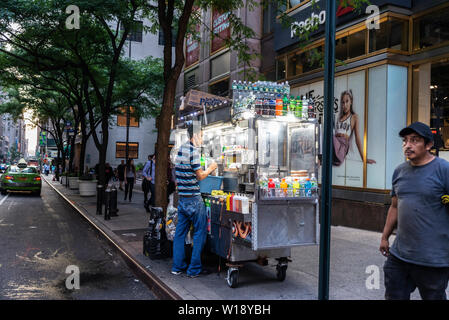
(264, 198)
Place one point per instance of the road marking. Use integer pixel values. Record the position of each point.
(4, 198)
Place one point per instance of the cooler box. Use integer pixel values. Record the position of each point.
(210, 183)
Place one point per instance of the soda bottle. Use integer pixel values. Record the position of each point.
(296, 188)
(286, 89)
(271, 188)
(272, 105)
(299, 107)
(292, 104)
(284, 187)
(285, 103)
(278, 105)
(308, 188)
(311, 109)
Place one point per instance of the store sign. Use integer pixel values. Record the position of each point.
(312, 18)
(192, 48)
(221, 29)
(198, 99)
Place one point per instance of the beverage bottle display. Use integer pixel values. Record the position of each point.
(284, 187)
(285, 103)
(305, 108)
(278, 187)
(299, 107)
(231, 203)
(311, 109)
(245, 205)
(292, 104)
(279, 106)
(271, 188)
(234, 91)
(290, 187)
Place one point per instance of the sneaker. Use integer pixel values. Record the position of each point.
(203, 272)
(176, 273)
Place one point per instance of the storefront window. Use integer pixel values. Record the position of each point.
(280, 69)
(356, 44)
(392, 34)
(220, 65)
(294, 3)
(303, 62)
(439, 94)
(431, 29)
(341, 49)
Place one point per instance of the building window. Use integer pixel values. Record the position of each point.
(294, 3)
(161, 40)
(133, 150)
(268, 17)
(280, 69)
(220, 65)
(392, 34)
(302, 62)
(191, 79)
(135, 34)
(431, 29)
(356, 44)
(220, 88)
(121, 118)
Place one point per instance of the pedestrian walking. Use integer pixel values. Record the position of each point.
(191, 209)
(419, 256)
(121, 173)
(130, 175)
(109, 173)
(148, 182)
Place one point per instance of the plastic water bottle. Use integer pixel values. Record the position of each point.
(305, 108)
(314, 183)
(286, 88)
(308, 188)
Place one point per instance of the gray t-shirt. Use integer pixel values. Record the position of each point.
(422, 234)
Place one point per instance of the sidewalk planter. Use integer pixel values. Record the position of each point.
(87, 188)
(73, 183)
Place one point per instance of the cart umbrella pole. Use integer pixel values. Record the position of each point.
(326, 185)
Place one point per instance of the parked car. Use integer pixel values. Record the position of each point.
(21, 178)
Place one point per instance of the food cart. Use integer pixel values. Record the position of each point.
(266, 198)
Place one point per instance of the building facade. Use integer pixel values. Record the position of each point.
(142, 132)
(392, 62)
(392, 69)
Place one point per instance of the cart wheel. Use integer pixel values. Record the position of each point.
(281, 272)
(233, 277)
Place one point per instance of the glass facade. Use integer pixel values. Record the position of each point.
(392, 34)
(431, 29)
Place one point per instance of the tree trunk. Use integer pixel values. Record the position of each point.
(163, 139)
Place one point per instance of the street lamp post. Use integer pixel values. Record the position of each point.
(326, 186)
(127, 133)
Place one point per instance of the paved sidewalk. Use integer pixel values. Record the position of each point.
(352, 252)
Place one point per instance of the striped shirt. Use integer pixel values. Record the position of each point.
(187, 162)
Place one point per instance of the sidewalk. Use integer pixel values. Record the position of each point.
(352, 252)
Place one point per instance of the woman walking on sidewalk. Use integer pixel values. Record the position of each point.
(130, 178)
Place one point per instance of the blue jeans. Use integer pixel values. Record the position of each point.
(402, 278)
(191, 210)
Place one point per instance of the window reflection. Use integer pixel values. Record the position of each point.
(431, 29)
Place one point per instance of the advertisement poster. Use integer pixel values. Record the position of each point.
(221, 30)
(348, 128)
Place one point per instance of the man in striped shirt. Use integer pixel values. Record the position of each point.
(191, 208)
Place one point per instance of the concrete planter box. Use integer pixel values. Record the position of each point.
(87, 188)
(73, 183)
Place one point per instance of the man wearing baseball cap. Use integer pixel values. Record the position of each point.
(419, 256)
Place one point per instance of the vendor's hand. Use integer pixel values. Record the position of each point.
(445, 199)
(213, 166)
(384, 247)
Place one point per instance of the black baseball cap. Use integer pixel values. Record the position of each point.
(420, 128)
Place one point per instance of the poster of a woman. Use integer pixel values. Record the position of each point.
(346, 127)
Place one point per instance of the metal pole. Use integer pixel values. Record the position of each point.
(326, 186)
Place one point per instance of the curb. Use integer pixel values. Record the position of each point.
(160, 289)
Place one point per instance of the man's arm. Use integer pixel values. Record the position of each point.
(390, 224)
(145, 170)
(200, 174)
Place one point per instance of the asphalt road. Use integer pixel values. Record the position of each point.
(43, 242)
